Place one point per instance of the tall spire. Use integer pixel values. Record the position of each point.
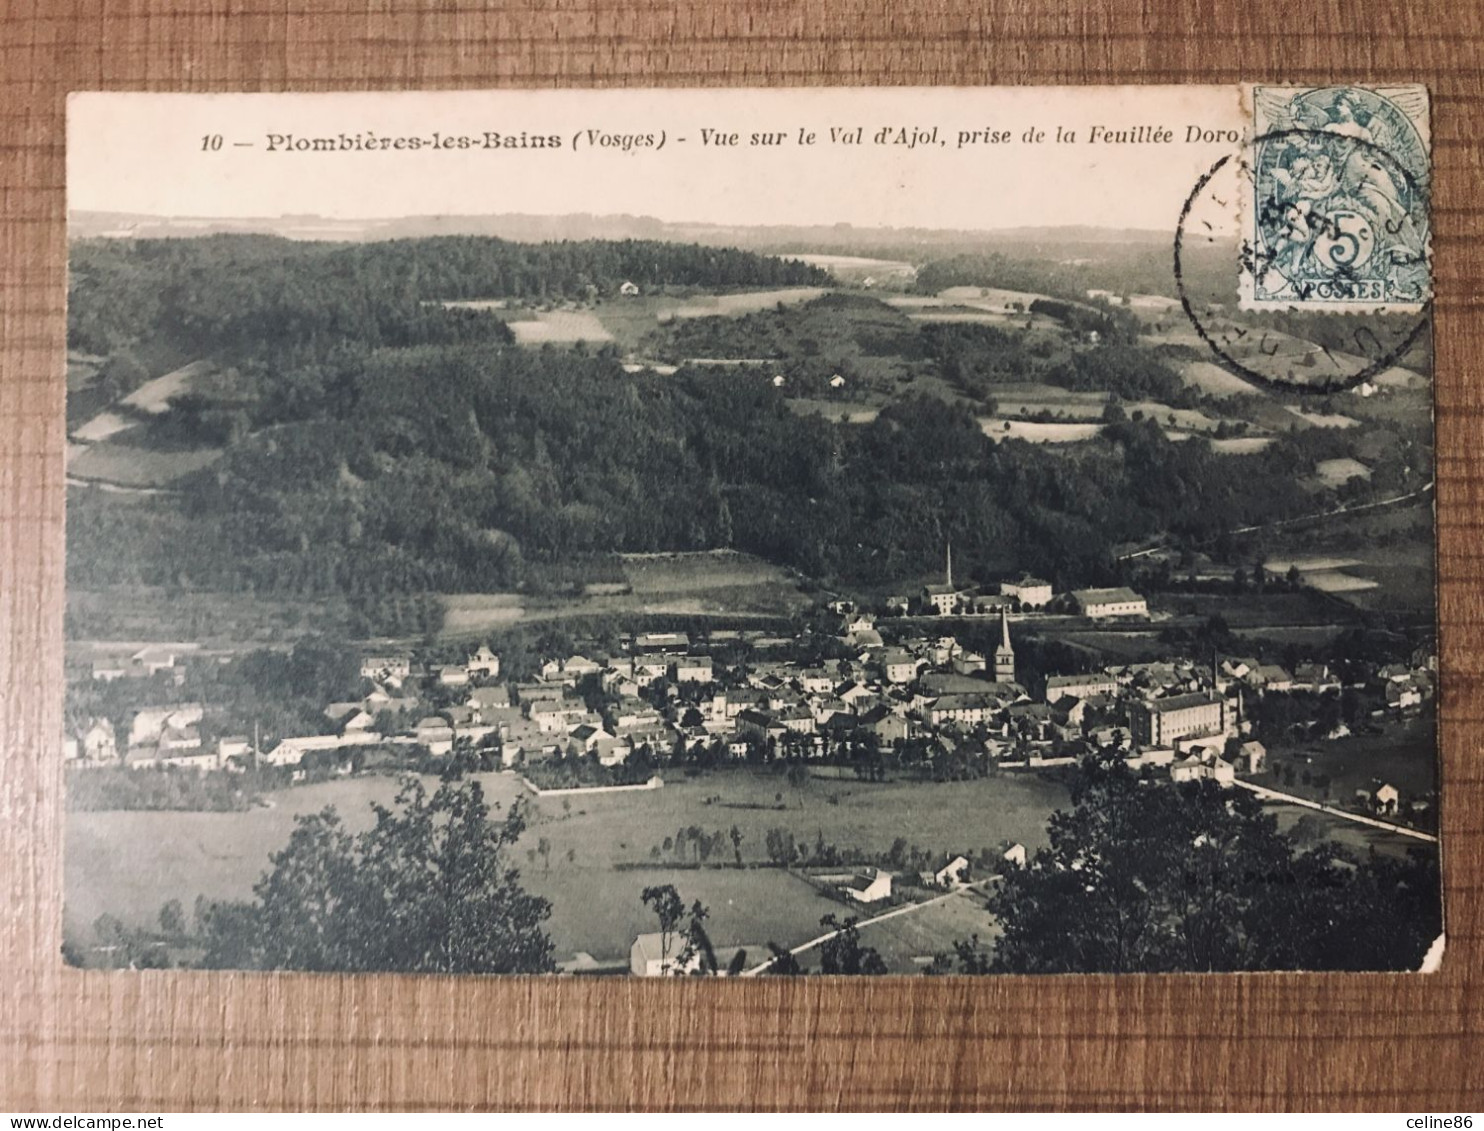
(1004, 655)
(950, 565)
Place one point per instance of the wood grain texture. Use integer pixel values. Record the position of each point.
(79, 1041)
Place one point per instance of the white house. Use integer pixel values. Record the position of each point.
(98, 743)
(451, 675)
(434, 733)
(691, 669)
(1031, 592)
(150, 722)
(1385, 799)
(106, 671)
(969, 663)
(1256, 756)
(898, 667)
(952, 873)
(153, 660)
(869, 885)
(394, 666)
(628, 289)
(291, 751)
(484, 664)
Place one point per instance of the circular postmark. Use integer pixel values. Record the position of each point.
(1326, 284)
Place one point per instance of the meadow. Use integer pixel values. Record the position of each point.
(1404, 754)
(113, 461)
(704, 583)
(129, 863)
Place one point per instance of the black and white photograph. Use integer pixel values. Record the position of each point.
(751, 533)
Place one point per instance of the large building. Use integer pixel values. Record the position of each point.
(1164, 722)
(1032, 592)
(1119, 602)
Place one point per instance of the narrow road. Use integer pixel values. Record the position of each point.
(1267, 794)
(905, 909)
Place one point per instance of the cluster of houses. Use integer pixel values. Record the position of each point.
(662, 697)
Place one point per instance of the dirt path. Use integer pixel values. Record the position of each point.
(905, 909)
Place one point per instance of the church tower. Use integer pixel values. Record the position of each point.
(1004, 655)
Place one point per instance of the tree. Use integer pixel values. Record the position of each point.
(783, 961)
(426, 889)
(1198, 878)
(172, 918)
(736, 835)
(842, 952)
(668, 908)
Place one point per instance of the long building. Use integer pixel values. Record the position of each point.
(1080, 686)
(1119, 602)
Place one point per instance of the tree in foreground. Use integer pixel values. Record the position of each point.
(842, 952)
(427, 889)
(693, 952)
(1144, 876)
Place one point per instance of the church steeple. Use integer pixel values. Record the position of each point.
(1004, 655)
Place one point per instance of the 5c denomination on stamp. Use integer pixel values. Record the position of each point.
(1336, 200)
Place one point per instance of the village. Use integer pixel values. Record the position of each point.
(853, 694)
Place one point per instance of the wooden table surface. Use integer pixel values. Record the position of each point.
(162, 1041)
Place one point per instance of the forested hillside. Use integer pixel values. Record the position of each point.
(376, 446)
(262, 295)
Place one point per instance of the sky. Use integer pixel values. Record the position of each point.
(156, 154)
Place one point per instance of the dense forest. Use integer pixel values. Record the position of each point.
(262, 296)
(524, 457)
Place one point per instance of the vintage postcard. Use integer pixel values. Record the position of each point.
(751, 532)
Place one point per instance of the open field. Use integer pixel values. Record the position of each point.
(1242, 445)
(470, 614)
(154, 397)
(906, 942)
(742, 302)
(951, 315)
(1380, 547)
(115, 462)
(997, 429)
(102, 426)
(1323, 419)
(705, 583)
(844, 412)
(1218, 382)
(1335, 581)
(995, 298)
(699, 572)
(559, 327)
(129, 863)
(857, 268)
(215, 620)
(1249, 609)
(1404, 754)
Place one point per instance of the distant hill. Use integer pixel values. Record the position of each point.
(578, 226)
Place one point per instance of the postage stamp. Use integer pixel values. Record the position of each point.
(1336, 199)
